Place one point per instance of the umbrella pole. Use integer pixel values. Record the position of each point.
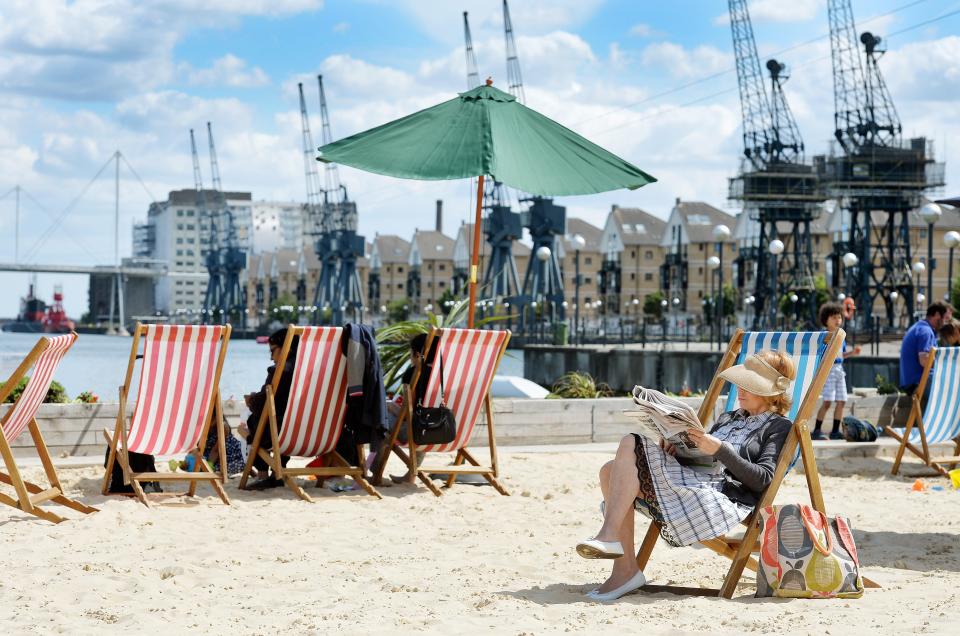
(475, 257)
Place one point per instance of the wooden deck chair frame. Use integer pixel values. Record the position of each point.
(464, 462)
(335, 464)
(117, 442)
(30, 496)
(739, 550)
(938, 463)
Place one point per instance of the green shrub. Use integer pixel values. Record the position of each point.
(55, 395)
(578, 385)
(885, 386)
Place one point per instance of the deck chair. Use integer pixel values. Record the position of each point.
(315, 414)
(177, 401)
(940, 422)
(813, 354)
(43, 359)
(470, 358)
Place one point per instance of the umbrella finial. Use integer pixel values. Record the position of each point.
(489, 81)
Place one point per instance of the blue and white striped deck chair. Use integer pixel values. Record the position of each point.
(812, 354)
(940, 421)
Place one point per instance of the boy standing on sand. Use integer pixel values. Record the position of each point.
(835, 389)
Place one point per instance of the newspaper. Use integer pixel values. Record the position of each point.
(660, 417)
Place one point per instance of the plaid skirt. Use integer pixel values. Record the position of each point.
(688, 504)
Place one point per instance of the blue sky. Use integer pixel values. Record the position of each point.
(83, 78)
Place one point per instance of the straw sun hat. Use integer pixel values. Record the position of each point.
(756, 376)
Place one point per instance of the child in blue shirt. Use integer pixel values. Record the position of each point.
(835, 388)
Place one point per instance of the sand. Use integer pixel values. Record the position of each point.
(469, 562)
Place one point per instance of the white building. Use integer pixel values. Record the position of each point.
(279, 225)
(176, 234)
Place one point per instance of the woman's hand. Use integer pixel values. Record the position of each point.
(704, 441)
(668, 448)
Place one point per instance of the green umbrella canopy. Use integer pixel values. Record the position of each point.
(487, 132)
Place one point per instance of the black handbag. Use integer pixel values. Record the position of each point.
(434, 424)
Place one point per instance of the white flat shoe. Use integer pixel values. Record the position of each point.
(596, 549)
(638, 581)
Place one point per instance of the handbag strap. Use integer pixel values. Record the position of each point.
(443, 391)
(823, 543)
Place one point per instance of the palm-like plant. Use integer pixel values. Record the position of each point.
(393, 341)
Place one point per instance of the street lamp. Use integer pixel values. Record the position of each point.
(775, 248)
(720, 234)
(713, 263)
(951, 239)
(578, 244)
(930, 213)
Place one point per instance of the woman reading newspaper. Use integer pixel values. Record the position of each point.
(690, 503)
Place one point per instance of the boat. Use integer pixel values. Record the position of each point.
(36, 317)
(263, 339)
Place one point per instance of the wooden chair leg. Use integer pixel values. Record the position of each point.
(291, 483)
(356, 473)
(489, 476)
(111, 458)
(453, 476)
(649, 542)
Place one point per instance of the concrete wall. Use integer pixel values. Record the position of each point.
(76, 429)
(672, 370)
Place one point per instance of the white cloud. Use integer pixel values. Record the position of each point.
(341, 27)
(778, 11)
(682, 62)
(228, 70)
(643, 30)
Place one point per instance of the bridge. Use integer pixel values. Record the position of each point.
(145, 272)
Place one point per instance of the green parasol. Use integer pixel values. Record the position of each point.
(486, 132)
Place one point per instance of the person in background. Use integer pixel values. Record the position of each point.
(256, 402)
(835, 388)
(950, 334)
(917, 342)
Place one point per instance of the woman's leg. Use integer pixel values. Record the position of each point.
(620, 486)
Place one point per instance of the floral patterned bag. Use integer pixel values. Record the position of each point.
(805, 554)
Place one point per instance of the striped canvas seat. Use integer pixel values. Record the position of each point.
(805, 348)
(469, 360)
(940, 421)
(178, 402)
(176, 388)
(314, 418)
(316, 406)
(37, 387)
(43, 360)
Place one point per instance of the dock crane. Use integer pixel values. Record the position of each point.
(340, 225)
(502, 226)
(876, 176)
(232, 258)
(214, 293)
(777, 188)
(318, 225)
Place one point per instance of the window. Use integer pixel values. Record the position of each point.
(587, 280)
(399, 270)
(399, 285)
(191, 240)
(633, 276)
(700, 294)
(588, 260)
(923, 233)
(189, 212)
(179, 263)
(179, 212)
(442, 284)
(179, 226)
(648, 276)
(648, 255)
(191, 226)
(179, 240)
(700, 246)
(429, 267)
(633, 253)
(700, 270)
(179, 252)
(441, 267)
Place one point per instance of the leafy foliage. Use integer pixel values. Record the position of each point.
(885, 386)
(55, 395)
(284, 310)
(652, 306)
(87, 397)
(393, 341)
(955, 293)
(398, 310)
(579, 385)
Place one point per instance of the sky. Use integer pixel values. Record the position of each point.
(652, 81)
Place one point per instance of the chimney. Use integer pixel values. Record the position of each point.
(678, 202)
(440, 215)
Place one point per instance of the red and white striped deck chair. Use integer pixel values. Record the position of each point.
(315, 413)
(469, 359)
(177, 400)
(44, 359)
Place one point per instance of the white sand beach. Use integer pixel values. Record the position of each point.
(469, 562)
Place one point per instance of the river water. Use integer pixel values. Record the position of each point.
(98, 363)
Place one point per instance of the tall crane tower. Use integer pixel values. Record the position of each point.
(543, 282)
(340, 222)
(502, 226)
(776, 187)
(317, 225)
(233, 259)
(875, 175)
(212, 298)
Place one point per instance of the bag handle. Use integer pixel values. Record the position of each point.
(443, 391)
(807, 515)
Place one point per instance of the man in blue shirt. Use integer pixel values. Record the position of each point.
(917, 342)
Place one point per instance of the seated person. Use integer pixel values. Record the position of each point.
(256, 402)
(950, 334)
(396, 406)
(211, 453)
(691, 505)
